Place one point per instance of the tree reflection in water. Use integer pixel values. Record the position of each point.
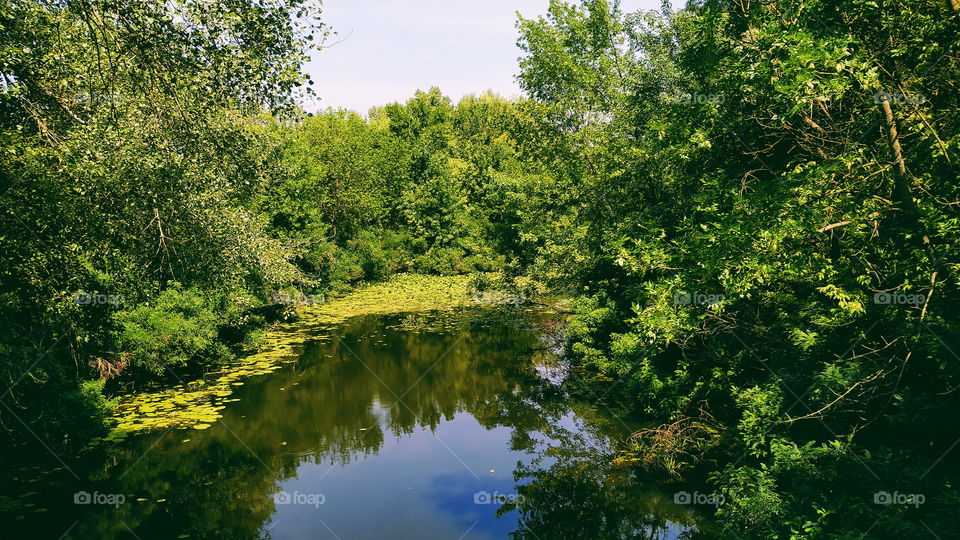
(357, 418)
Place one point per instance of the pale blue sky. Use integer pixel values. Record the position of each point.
(391, 48)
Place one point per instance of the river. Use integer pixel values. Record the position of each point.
(389, 426)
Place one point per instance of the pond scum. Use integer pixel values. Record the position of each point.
(197, 404)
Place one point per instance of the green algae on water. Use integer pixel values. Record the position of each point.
(198, 404)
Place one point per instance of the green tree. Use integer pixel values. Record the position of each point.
(130, 163)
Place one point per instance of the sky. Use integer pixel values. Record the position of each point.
(388, 49)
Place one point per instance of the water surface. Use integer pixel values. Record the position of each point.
(415, 426)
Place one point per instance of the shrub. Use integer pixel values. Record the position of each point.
(178, 327)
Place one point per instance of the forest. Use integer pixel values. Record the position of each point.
(753, 208)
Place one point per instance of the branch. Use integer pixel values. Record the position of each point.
(819, 413)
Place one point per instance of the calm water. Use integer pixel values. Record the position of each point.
(390, 427)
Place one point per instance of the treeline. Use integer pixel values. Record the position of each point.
(417, 187)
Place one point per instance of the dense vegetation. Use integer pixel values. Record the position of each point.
(162, 197)
(762, 202)
(755, 206)
(130, 174)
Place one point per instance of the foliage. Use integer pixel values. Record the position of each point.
(177, 327)
(418, 186)
(131, 160)
(753, 206)
(740, 192)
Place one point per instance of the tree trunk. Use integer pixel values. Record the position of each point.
(901, 190)
(908, 215)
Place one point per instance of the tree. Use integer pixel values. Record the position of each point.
(130, 165)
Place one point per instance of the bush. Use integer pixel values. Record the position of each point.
(442, 261)
(177, 328)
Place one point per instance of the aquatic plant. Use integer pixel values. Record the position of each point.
(198, 404)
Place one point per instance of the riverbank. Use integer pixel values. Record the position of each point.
(198, 403)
